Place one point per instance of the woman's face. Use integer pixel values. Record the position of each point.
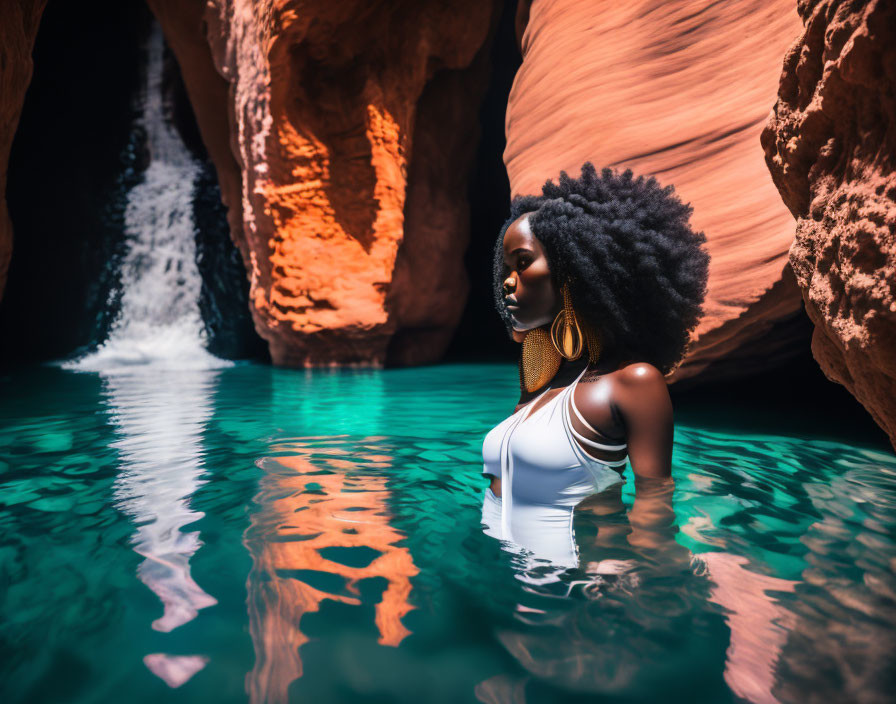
(529, 293)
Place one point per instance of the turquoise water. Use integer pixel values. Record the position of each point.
(255, 534)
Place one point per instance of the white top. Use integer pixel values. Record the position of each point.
(544, 474)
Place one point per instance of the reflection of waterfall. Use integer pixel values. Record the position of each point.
(160, 418)
(159, 321)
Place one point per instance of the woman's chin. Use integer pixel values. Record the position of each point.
(521, 327)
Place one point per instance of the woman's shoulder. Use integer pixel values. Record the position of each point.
(638, 381)
(631, 374)
(641, 374)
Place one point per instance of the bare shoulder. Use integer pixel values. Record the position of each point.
(641, 375)
(642, 391)
(632, 384)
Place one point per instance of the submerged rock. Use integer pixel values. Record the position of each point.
(679, 90)
(831, 147)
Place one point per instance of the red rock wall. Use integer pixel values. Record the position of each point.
(831, 147)
(18, 28)
(327, 107)
(681, 90)
(184, 24)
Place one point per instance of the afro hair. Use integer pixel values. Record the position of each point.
(636, 270)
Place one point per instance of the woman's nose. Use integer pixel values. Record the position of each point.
(509, 285)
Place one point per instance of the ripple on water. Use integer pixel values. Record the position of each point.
(262, 534)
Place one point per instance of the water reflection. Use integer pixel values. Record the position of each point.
(637, 606)
(834, 636)
(792, 599)
(843, 613)
(318, 530)
(159, 418)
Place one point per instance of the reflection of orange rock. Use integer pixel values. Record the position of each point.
(18, 28)
(680, 90)
(298, 515)
(830, 147)
(759, 624)
(352, 126)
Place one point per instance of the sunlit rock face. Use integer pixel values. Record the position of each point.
(831, 147)
(18, 29)
(351, 128)
(679, 90)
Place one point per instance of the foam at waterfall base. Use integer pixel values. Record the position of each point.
(173, 347)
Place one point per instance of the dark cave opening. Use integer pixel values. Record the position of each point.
(74, 156)
(481, 335)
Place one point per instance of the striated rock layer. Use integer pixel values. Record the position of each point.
(831, 147)
(351, 128)
(18, 28)
(679, 90)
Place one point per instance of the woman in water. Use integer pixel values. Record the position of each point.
(601, 279)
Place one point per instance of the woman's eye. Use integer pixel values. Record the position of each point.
(524, 262)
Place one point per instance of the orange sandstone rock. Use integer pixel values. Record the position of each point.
(679, 90)
(184, 24)
(331, 106)
(831, 147)
(18, 28)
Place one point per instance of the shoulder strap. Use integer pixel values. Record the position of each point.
(572, 403)
(527, 409)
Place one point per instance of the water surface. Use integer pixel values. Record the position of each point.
(255, 534)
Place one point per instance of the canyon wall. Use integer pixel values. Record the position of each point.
(18, 29)
(680, 90)
(830, 144)
(343, 134)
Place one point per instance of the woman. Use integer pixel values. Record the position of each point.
(602, 280)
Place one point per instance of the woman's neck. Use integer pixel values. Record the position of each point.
(608, 363)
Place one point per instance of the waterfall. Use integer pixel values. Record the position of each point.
(158, 376)
(159, 322)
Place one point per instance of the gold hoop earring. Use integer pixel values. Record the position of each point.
(566, 334)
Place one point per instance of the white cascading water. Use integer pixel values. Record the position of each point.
(159, 322)
(159, 378)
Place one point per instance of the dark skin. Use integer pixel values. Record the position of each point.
(625, 400)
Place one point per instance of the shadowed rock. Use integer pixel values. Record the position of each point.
(830, 145)
(18, 29)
